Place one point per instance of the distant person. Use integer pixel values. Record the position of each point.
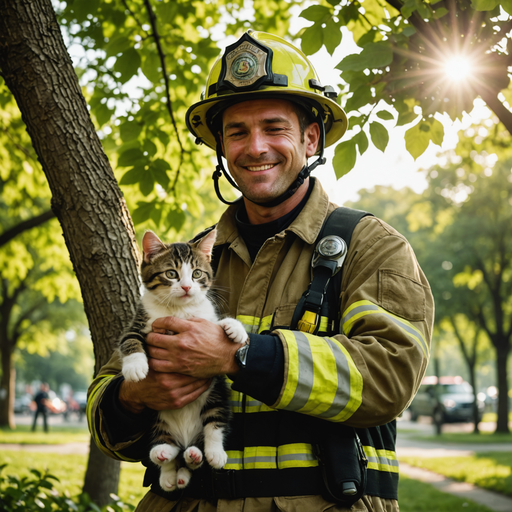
(42, 400)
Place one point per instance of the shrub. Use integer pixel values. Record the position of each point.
(37, 493)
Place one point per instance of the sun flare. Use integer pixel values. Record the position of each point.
(458, 68)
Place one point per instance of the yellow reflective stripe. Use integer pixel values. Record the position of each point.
(254, 324)
(364, 307)
(270, 457)
(321, 379)
(102, 383)
(381, 460)
(297, 455)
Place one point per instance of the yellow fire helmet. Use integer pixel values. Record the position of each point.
(258, 66)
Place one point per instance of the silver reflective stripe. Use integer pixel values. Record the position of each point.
(306, 375)
(296, 456)
(259, 459)
(343, 372)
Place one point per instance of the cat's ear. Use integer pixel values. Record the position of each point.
(151, 244)
(205, 245)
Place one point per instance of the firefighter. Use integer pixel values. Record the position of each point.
(314, 406)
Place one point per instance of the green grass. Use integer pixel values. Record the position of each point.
(489, 470)
(470, 438)
(70, 470)
(56, 435)
(415, 496)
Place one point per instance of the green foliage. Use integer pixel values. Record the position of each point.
(144, 62)
(37, 492)
(400, 65)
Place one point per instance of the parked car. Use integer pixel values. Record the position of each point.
(55, 404)
(22, 404)
(448, 401)
(81, 399)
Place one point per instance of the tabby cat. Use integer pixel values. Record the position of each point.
(177, 278)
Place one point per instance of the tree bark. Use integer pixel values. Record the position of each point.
(7, 390)
(502, 353)
(85, 195)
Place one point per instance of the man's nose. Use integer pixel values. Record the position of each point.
(256, 145)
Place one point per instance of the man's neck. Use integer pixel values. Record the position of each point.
(258, 214)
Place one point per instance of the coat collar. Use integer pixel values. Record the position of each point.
(307, 225)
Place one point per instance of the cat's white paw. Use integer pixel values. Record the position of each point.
(217, 458)
(163, 454)
(193, 457)
(183, 477)
(234, 330)
(135, 367)
(168, 479)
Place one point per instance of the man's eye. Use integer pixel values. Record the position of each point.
(197, 274)
(171, 274)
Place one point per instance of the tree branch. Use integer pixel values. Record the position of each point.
(491, 99)
(8, 235)
(156, 35)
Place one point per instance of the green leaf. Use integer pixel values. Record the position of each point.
(406, 117)
(82, 9)
(312, 39)
(484, 5)
(159, 175)
(150, 147)
(345, 156)
(379, 135)
(416, 140)
(127, 64)
(507, 7)
(102, 114)
(361, 97)
(133, 176)
(377, 55)
(151, 67)
(409, 31)
(130, 130)
(361, 141)
(436, 132)
(142, 212)
(147, 183)
(316, 13)
(439, 13)
(118, 44)
(176, 218)
(131, 157)
(332, 36)
(384, 114)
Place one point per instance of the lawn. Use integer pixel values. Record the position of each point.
(56, 435)
(470, 438)
(414, 496)
(70, 470)
(489, 470)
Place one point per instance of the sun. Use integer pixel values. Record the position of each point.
(458, 68)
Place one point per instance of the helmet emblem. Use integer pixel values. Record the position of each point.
(245, 65)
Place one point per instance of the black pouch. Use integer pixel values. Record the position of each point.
(343, 464)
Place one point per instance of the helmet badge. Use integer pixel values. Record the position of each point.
(245, 65)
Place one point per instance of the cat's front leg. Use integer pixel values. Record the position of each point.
(135, 367)
(183, 477)
(234, 330)
(214, 446)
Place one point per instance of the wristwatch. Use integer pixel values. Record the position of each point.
(241, 355)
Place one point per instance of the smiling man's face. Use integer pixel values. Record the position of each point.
(261, 140)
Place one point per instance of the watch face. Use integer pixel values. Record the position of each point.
(330, 246)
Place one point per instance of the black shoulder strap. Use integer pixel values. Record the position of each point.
(312, 305)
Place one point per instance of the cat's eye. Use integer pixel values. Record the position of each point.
(197, 274)
(171, 274)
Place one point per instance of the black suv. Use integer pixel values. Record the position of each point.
(449, 401)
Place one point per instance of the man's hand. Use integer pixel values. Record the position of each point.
(181, 365)
(198, 348)
(160, 391)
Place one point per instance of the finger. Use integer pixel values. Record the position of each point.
(157, 339)
(171, 323)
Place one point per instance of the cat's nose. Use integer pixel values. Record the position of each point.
(186, 288)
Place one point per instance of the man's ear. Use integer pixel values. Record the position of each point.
(311, 138)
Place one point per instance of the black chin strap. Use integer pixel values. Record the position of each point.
(301, 177)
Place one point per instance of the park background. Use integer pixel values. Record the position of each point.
(425, 86)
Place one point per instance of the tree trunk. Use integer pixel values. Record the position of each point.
(7, 384)
(85, 195)
(502, 353)
(472, 381)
